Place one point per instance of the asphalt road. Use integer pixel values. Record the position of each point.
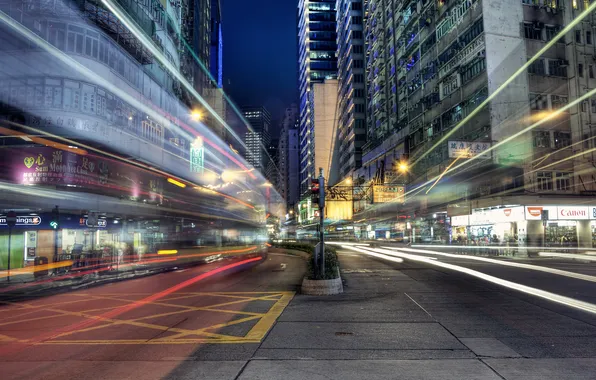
(148, 328)
(407, 320)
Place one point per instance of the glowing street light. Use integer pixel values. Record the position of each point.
(196, 115)
(403, 167)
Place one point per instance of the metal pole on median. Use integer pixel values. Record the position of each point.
(322, 220)
(11, 221)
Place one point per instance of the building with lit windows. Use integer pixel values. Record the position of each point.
(317, 81)
(432, 63)
(258, 138)
(288, 152)
(352, 89)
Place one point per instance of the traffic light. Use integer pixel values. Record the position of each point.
(315, 191)
(55, 221)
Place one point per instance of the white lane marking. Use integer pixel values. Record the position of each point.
(567, 301)
(539, 268)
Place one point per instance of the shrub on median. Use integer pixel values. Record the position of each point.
(331, 260)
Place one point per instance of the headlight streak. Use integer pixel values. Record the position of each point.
(131, 162)
(91, 76)
(588, 256)
(130, 25)
(515, 135)
(567, 301)
(523, 68)
(539, 268)
(369, 253)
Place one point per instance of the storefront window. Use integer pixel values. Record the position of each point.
(561, 233)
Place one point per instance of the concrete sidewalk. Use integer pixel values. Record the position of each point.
(404, 321)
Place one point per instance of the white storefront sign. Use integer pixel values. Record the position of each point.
(561, 212)
(501, 215)
(573, 213)
(460, 220)
(467, 149)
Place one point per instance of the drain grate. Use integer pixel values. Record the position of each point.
(343, 333)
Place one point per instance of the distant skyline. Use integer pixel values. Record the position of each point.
(259, 54)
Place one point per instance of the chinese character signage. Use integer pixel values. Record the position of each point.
(467, 149)
(388, 193)
(197, 156)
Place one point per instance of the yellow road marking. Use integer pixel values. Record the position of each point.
(255, 335)
(265, 323)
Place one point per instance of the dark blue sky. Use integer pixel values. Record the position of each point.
(259, 62)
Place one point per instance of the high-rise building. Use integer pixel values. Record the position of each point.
(317, 66)
(352, 89)
(288, 152)
(258, 138)
(432, 63)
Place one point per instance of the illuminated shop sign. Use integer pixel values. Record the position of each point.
(467, 149)
(197, 156)
(561, 212)
(23, 221)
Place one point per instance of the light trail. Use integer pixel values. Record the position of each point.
(588, 256)
(109, 316)
(557, 298)
(133, 163)
(373, 254)
(443, 173)
(518, 134)
(509, 80)
(148, 44)
(538, 268)
(159, 115)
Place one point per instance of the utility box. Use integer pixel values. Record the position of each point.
(40, 260)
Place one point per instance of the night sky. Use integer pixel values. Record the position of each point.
(259, 59)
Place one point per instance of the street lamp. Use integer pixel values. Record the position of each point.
(403, 167)
(196, 115)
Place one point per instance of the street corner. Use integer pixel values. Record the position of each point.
(180, 318)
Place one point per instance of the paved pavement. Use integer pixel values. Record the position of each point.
(404, 320)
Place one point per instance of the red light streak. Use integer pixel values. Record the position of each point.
(123, 309)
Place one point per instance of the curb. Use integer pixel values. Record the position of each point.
(322, 287)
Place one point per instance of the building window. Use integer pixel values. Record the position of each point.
(358, 64)
(359, 108)
(537, 67)
(358, 78)
(589, 37)
(557, 68)
(532, 31)
(563, 181)
(593, 106)
(562, 139)
(356, 20)
(538, 102)
(544, 181)
(541, 139)
(558, 101)
(580, 70)
(584, 106)
(551, 33)
(474, 69)
(357, 49)
(356, 6)
(578, 36)
(591, 71)
(357, 34)
(359, 93)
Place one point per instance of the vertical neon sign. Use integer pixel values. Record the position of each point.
(197, 156)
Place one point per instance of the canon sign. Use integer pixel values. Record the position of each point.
(574, 213)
